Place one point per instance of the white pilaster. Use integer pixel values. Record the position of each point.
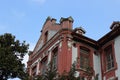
(37, 72)
(74, 54)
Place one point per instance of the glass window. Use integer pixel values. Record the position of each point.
(34, 69)
(55, 53)
(109, 58)
(84, 58)
(44, 65)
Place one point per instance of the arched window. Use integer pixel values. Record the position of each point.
(84, 58)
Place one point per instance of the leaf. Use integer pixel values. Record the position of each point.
(11, 55)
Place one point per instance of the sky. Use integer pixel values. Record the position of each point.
(25, 18)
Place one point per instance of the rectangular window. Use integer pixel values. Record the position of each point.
(34, 70)
(55, 53)
(109, 58)
(84, 58)
(44, 65)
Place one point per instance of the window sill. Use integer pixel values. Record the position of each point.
(82, 69)
(112, 69)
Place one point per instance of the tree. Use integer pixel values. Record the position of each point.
(72, 72)
(51, 73)
(71, 75)
(38, 77)
(96, 77)
(12, 53)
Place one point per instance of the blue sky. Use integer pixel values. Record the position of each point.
(25, 18)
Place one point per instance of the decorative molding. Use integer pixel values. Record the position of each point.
(69, 45)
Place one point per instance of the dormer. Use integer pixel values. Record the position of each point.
(115, 25)
(79, 30)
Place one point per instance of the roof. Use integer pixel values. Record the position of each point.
(110, 35)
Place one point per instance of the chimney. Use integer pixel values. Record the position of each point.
(79, 30)
(66, 22)
(115, 25)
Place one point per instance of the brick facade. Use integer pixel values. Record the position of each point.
(64, 45)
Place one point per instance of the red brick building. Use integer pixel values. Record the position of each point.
(64, 45)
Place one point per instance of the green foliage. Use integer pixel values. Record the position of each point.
(96, 77)
(71, 74)
(62, 77)
(40, 77)
(51, 72)
(11, 55)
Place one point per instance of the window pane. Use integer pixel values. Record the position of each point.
(108, 66)
(112, 64)
(84, 51)
(55, 53)
(44, 65)
(84, 58)
(109, 58)
(82, 62)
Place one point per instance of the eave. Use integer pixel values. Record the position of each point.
(86, 40)
(109, 36)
